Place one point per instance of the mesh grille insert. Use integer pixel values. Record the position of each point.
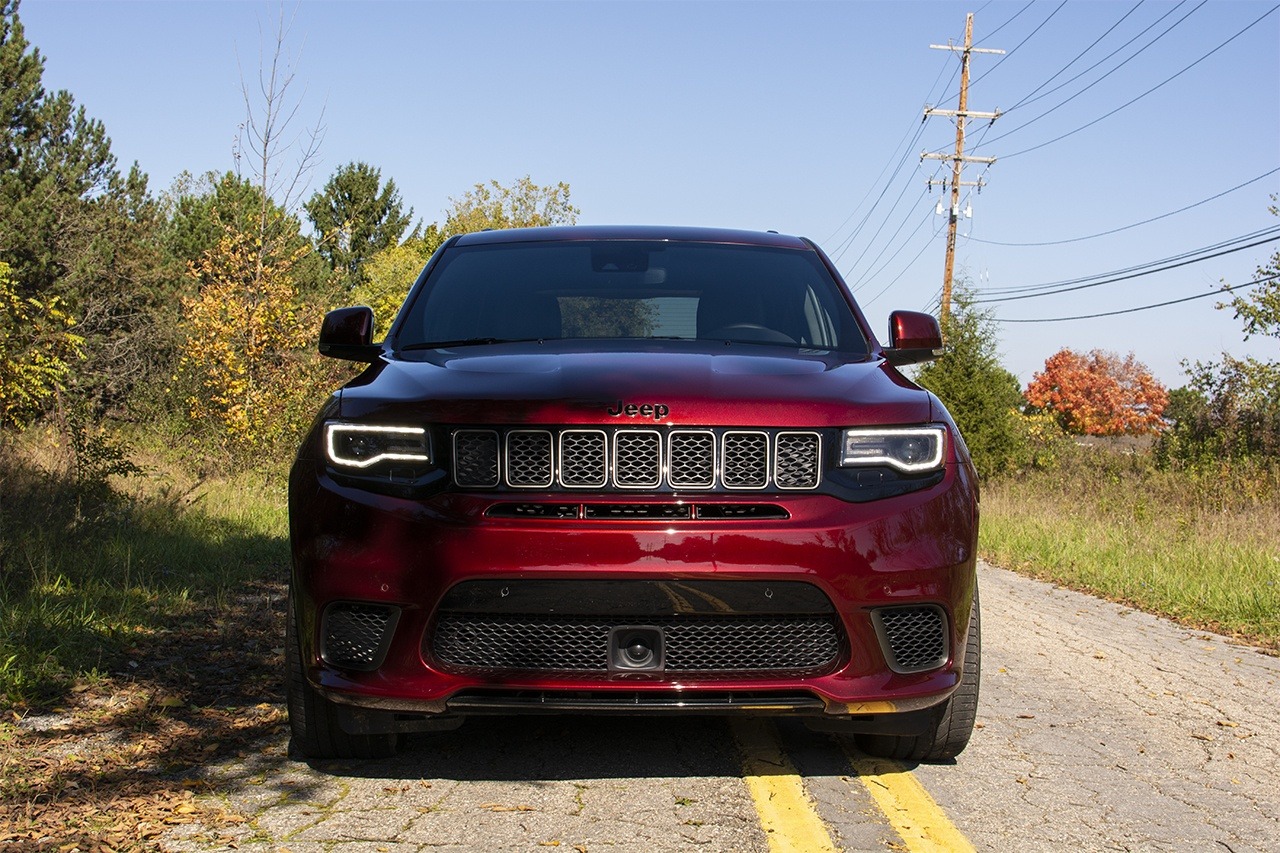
(529, 459)
(475, 458)
(915, 638)
(637, 459)
(744, 460)
(797, 458)
(582, 459)
(691, 459)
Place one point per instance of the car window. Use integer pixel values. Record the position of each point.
(631, 290)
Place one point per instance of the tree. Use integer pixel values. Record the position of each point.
(1099, 394)
(524, 205)
(356, 216)
(37, 348)
(72, 227)
(981, 395)
(244, 338)
(391, 272)
(246, 362)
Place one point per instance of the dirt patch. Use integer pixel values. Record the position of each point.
(121, 761)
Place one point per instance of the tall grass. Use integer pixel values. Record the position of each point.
(1203, 548)
(86, 574)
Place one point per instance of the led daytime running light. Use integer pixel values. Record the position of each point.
(395, 438)
(935, 435)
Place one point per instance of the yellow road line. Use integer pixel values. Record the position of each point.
(786, 812)
(913, 814)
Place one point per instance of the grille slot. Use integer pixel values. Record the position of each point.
(797, 460)
(744, 460)
(356, 636)
(715, 644)
(914, 638)
(691, 459)
(583, 464)
(637, 459)
(475, 458)
(529, 459)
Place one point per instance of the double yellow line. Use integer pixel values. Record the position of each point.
(792, 824)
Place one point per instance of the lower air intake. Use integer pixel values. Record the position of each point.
(914, 639)
(741, 645)
(356, 636)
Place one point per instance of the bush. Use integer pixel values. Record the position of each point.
(983, 397)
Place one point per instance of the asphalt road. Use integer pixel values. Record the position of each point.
(1100, 728)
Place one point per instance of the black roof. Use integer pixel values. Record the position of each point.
(633, 232)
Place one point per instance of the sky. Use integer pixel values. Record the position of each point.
(801, 117)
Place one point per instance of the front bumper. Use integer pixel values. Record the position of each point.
(351, 546)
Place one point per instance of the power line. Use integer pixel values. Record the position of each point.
(1014, 49)
(1122, 64)
(1134, 225)
(1145, 307)
(1160, 85)
(1175, 263)
(1028, 98)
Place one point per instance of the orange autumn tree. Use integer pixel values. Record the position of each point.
(1099, 394)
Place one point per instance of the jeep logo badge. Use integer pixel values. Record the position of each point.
(656, 411)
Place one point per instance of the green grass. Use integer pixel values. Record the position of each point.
(84, 579)
(1203, 549)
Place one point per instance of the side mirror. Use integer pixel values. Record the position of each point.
(347, 333)
(914, 337)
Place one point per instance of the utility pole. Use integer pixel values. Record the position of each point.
(958, 159)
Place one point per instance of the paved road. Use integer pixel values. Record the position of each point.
(1100, 729)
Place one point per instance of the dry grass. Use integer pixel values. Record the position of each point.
(1200, 548)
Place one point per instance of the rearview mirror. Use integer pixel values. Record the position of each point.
(914, 337)
(347, 334)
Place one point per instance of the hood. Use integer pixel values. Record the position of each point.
(672, 383)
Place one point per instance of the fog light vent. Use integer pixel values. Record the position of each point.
(914, 639)
(356, 636)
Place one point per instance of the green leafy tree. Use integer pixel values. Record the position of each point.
(37, 349)
(983, 397)
(522, 205)
(356, 216)
(391, 272)
(1239, 415)
(73, 227)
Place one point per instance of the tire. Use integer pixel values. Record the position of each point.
(949, 730)
(313, 723)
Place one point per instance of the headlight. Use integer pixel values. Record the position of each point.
(363, 445)
(911, 449)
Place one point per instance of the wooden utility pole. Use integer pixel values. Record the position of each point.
(958, 159)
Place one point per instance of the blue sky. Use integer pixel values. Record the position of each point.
(766, 115)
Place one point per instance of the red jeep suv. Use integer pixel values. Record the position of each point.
(632, 471)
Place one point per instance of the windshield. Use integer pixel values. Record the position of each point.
(630, 290)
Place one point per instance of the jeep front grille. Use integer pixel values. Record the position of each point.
(637, 459)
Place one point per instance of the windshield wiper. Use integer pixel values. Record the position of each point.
(468, 342)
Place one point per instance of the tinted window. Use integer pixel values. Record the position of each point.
(630, 290)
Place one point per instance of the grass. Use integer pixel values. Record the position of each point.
(1201, 548)
(87, 574)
